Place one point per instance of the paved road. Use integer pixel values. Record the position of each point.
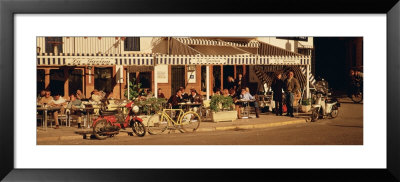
(346, 129)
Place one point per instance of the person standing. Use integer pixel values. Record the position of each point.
(277, 86)
(231, 83)
(291, 86)
(240, 83)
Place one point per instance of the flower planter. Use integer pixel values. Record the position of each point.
(224, 116)
(305, 108)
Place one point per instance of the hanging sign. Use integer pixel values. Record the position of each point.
(162, 73)
(208, 61)
(89, 61)
(284, 61)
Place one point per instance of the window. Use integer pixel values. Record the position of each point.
(103, 79)
(52, 42)
(40, 80)
(132, 44)
(57, 80)
(75, 80)
(145, 79)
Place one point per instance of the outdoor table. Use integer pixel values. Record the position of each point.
(246, 104)
(88, 110)
(188, 105)
(45, 110)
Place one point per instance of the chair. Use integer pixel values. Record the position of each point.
(205, 111)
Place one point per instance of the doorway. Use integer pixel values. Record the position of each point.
(75, 80)
(228, 71)
(177, 78)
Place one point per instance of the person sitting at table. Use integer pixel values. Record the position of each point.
(160, 94)
(80, 95)
(174, 100)
(196, 98)
(46, 99)
(74, 105)
(41, 95)
(96, 96)
(246, 96)
(57, 102)
(225, 93)
(149, 95)
(185, 95)
(217, 92)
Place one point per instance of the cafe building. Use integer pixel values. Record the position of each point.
(204, 64)
(68, 64)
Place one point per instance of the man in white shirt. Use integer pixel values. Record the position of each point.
(58, 102)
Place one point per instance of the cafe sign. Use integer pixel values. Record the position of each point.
(90, 61)
(208, 61)
(284, 61)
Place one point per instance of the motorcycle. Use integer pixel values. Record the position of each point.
(109, 123)
(323, 106)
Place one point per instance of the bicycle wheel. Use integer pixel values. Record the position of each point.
(357, 98)
(190, 121)
(155, 126)
(99, 128)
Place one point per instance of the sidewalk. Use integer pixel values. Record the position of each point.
(266, 120)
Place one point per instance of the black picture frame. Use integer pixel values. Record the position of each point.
(9, 8)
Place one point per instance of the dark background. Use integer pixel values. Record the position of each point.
(335, 56)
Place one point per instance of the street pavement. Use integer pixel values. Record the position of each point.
(346, 129)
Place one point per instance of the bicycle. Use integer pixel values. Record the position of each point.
(185, 121)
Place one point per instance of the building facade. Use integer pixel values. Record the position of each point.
(66, 64)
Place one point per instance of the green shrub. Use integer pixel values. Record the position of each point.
(306, 102)
(216, 100)
(151, 105)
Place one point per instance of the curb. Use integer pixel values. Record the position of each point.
(252, 126)
(209, 129)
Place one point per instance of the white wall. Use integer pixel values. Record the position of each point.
(286, 44)
(93, 45)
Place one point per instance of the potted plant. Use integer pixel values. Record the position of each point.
(222, 108)
(134, 90)
(306, 105)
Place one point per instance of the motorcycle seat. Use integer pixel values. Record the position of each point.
(108, 113)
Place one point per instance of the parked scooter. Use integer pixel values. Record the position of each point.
(110, 122)
(323, 106)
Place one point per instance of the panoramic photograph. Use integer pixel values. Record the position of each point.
(199, 90)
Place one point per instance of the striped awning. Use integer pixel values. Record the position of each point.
(266, 74)
(206, 59)
(199, 41)
(231, 60)
(69, 59)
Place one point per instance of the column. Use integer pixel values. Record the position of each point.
(308, 81)
(46, 78)
(66, 83)
(222, 77)
(155, 82)
(208, 82)
(127, 83)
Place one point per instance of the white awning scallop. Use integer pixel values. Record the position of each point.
(231, 60)
(67, 59)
